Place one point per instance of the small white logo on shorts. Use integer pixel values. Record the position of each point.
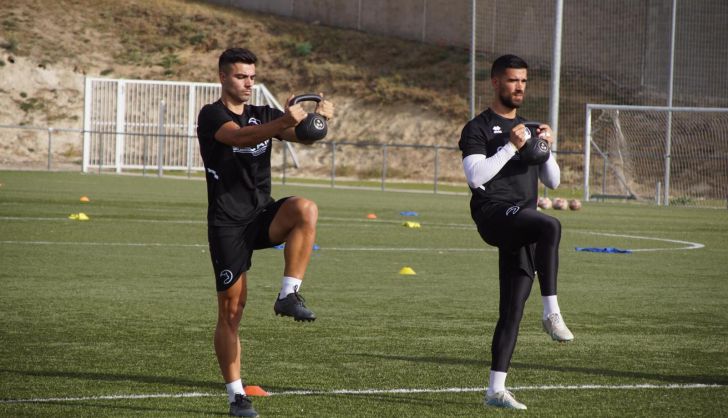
(226, 276)
(512, 210)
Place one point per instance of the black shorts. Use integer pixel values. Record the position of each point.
(231, 247)
(499, 226)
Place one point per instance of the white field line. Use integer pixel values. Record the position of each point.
(368, 392)
(688, 245)
(685, 245)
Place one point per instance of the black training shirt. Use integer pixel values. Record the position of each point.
(238, 179)
(516, 183)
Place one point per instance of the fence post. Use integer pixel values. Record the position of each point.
(604, 174)
(50, 138)
(587, 152)
(658, 191)
(160, 148)
(102, 139)
(120, 125)
(437, 165)
(333, 163)
(144, 155)
(384, 164)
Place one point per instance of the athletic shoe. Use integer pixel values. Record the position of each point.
(555, 327)
(242, 407)
(294, 305)
(503, 399)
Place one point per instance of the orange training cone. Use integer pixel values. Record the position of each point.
(85, 199)
(371, 216)
(255, 391)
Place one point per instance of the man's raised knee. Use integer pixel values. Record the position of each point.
(307, 211)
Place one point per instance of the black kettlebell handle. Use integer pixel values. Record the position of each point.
(308, 97)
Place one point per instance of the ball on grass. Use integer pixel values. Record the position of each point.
(574, 204)
(544, 203)
(559, 204)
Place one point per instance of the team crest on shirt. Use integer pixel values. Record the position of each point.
(497, 129)
(256, 150)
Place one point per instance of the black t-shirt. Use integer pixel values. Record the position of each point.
(238, 179)
(516, 183)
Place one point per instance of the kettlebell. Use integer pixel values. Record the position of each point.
(314, 127)
(536, 150)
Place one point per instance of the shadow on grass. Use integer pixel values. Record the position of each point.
(117, 408)
(108, 377)
(699, 379)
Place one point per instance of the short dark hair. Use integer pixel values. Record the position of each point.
(235, 55)
(504, 62)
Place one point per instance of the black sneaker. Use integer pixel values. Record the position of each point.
(294, 305)
(242, 407)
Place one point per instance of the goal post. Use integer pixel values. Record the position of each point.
(672, 155)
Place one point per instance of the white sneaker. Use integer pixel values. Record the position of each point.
(555, 327)
(503, 399)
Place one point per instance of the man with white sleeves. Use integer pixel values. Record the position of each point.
(503, 206)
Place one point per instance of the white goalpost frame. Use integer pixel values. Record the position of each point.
(588, 140)
(100, 112)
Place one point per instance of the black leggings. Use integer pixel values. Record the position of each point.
(526, 240)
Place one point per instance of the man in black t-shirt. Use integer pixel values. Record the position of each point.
(503, 206)
(235, 142)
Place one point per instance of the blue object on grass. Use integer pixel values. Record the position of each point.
(282, 246)
(408, 213)
(610, 250)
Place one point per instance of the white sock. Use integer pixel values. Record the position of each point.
(497, 382)
(550, 305)
(288, 286)
(233, 388)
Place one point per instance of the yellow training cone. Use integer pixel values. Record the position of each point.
(85, 199)
(411, 224)
(83, 217)
(73, 216)
(407, 271)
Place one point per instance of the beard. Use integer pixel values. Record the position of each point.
(509, 102)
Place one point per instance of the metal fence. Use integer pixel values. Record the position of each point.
(626, 52)
(334, 163)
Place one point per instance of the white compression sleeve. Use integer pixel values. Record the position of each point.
(480, 169)
(550, 173)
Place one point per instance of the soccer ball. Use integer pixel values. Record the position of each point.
(544, 203)
(574, 204)
(559, 204)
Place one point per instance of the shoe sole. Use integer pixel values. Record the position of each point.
(558, 340)
(297, 319)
